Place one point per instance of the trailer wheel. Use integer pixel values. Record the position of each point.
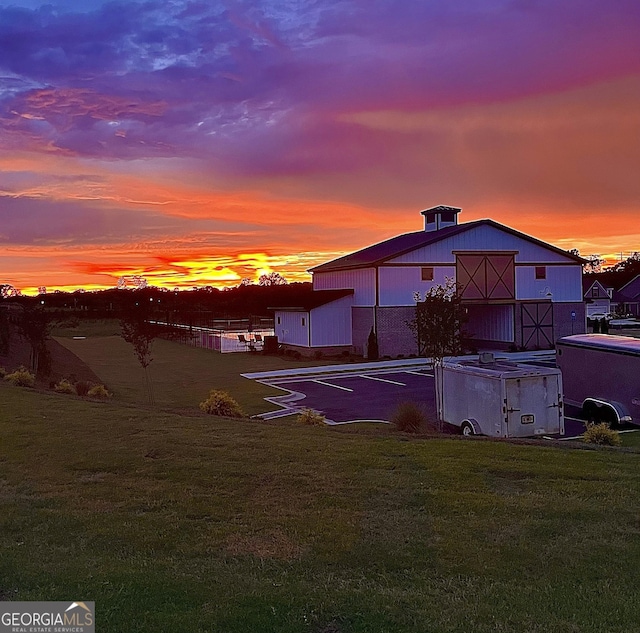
(467, 429)
(595, 415)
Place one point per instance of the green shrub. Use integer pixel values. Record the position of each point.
(409, 417)
(82, 387)
(21, 377)
(311, 418)
(99, 391)
(601, 434)
(64, 386)
(221, 403)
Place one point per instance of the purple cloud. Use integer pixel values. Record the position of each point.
(246, 74)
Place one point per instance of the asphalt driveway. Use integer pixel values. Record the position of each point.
(363, 396)
(371, 391)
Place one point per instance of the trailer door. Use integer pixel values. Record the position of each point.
(533, 406)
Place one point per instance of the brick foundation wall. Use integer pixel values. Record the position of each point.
(361, 324)
(394, 335)
(563, 324)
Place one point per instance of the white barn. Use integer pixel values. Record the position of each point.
(517, 289)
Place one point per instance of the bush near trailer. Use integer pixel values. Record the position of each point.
(409, 418)
(601, 434)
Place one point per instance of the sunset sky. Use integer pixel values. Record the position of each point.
(202, 142)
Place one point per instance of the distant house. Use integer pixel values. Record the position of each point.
(597, 297)
(517, 289)
(627, 298)
(612, 292)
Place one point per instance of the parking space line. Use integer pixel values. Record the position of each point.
(392, 382)
(419, 373)
(328, 384)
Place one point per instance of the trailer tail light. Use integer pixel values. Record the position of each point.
(526, 419)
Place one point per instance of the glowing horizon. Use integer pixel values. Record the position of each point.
(203, 143)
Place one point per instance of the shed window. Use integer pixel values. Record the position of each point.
(303, 321)
(427, 273)
(595, 292)
(541, 272)
(278, 320)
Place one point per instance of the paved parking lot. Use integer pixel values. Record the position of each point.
(371, 391)
(361, 396)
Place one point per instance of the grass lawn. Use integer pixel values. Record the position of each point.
(631, 439)
(196, 524)
(181, 376)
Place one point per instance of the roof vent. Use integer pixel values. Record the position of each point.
(440, 217)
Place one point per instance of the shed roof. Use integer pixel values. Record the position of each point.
(394, 247)
(315, 299)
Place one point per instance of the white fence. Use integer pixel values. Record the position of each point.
(223, 341)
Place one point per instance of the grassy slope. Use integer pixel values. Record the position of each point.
(181, 375)
(175, 523)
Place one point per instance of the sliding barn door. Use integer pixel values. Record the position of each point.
(486, 276)
(536, 321)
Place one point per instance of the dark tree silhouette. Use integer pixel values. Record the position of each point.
(439, 325)
(272, 279)
(5, 331)
(34, 325)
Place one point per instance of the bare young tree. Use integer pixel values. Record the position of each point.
(140, 333)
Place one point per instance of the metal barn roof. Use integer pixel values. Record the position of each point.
(394, 247)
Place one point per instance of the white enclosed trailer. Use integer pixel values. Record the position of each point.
(602, 375)
(500, 398)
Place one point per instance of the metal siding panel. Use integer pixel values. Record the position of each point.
(290, 329)
(331, 323)
(491, 322)
(362, 281)
(564, 283)
(399, 283)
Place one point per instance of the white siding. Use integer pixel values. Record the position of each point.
(290, 329)
(564, 283)
(482, 238)
(398, 283)
(331, 323)
(491, 322)
(362, 281)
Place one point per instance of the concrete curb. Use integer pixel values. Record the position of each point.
(400, 364)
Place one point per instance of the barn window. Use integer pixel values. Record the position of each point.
(595, 292)
(278, 320)
(302, 321)
(427, 273)
(431, 218)
(448, 216)
(541, 272)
